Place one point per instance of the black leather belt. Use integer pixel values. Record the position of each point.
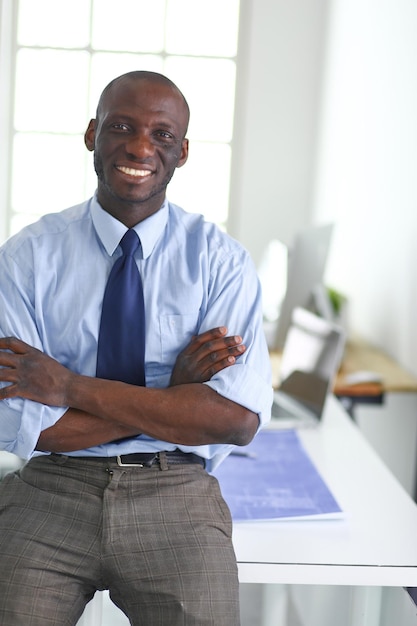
(148, 459)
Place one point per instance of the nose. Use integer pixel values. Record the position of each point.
(140, 146)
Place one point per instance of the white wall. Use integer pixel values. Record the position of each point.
(367, 174)
(327, 130)
(282, 44)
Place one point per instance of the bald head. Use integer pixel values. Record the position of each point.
(142, 79)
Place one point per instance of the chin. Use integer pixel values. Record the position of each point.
(133, 194)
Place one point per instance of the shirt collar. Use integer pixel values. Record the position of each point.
(110, 230)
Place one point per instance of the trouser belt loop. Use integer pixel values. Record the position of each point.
(163, 461)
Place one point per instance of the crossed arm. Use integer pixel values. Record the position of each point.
(187, 412)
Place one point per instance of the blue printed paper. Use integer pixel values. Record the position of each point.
(272, 478)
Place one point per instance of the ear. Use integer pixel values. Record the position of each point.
(184, 153)
(89, 135)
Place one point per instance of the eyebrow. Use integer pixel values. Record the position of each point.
(163, 121)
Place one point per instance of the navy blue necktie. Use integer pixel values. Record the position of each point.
(121, 341)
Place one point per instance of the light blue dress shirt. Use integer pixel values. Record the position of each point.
(195, 277)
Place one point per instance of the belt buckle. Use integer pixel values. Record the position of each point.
(147, 464)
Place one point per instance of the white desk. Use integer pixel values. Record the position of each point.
(375, 545)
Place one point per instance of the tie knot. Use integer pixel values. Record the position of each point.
(129, 242)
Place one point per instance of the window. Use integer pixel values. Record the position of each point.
(58, 57)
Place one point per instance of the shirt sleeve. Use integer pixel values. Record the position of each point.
(235, 301)
(21, 421)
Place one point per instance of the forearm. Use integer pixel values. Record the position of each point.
(189, 414)
(77, 430)
(185, 414)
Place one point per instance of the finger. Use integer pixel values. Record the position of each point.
(222, 355)
(205, 338)
(8, 375)
(219, 365)
(214, 338)
(7, 359)
(237, 350)
(14, 344)
(231, 340)
(216, 361)
(212, 348)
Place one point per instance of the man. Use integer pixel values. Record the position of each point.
(116, 495)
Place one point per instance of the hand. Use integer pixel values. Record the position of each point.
(206, 355)
(33, 375)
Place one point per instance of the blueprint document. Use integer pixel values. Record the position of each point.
(276, 480)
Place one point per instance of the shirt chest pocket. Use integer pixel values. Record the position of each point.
(175, 331)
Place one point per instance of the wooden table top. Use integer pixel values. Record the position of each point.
(359, 355)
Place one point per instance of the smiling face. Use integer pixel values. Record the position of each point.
(138, 140)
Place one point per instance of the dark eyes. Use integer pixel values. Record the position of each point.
(120, 127)
(165, 134)
(161, 134)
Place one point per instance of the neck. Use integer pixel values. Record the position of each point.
(130, 213)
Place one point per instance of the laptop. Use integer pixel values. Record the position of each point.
(311, 357)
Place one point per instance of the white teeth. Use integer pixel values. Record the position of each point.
(132, 172)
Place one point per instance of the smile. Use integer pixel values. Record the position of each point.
(130, 171)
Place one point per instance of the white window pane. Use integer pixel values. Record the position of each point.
(209, 87)
(51, 90)
(48, 172)
(52, 23)
(202, 184)
(131, 25)
(202, 28)
(106, 66)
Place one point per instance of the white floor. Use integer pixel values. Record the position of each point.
(102, 612)
(301, 606)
